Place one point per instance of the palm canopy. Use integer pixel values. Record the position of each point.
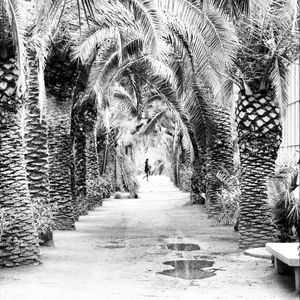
(269, 42)
(196, 57)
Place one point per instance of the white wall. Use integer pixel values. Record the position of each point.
(290, 147)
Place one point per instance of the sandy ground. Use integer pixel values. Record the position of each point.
(119, 248)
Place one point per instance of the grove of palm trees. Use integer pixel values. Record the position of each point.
(90, 89)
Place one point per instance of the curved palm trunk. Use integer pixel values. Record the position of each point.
(19, 240)
(220, 155)
(259, 132)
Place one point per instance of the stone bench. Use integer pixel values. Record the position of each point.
(286, 254)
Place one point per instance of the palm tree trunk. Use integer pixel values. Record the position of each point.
(19, 239)
(94, 197)
(220, 155)
(60, 78)
(36, 137)
(102, 146)
(60, 163)
(259, 133)
(198, 180)
(36, 144)
(79, 145)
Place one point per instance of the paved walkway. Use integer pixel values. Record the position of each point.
(119, 248)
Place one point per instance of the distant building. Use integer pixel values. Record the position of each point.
(290, 147)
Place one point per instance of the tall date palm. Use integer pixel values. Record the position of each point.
(268, 44)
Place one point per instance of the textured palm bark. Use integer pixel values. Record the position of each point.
(19, 240)
(60, 162)
(259, 132)
(102, 149)
(92, 170)
(220, 155)
(78, 144)
(106, 152)
(36, 137)
(175, 167)
(92, 161)
(79, 176)
(184, 168)
(198, 179)
(60, 79)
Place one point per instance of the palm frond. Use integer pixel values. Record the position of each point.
(127, 101)
(16, 14)
(90, 41)
(160, 78)
(153, 123)
(85, 10)
(146, 16)
(218, 35)
(280, 78)
(233, 8)
(268, 42)
(113, 14)
(201, 113)
(151, 99)
(103, 71)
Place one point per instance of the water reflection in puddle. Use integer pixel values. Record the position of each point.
(189, 269)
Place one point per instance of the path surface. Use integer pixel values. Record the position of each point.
(118, 250)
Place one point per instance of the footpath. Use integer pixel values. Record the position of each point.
(132, 249)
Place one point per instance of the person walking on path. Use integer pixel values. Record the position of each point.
(147, 170)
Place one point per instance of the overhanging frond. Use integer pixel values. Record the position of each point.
(90, 41)
(153, 123)
(147, 18)
(233, 8)
(16, 15)
(279, 76)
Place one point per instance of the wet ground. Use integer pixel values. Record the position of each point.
(154, 247)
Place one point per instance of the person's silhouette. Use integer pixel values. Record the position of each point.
(147, 170)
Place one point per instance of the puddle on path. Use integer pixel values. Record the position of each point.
(183, 247)
(189, 269)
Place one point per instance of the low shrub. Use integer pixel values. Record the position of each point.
(228, 201)
(82, 205)
(229, 197)
(43, 216)
(98, 189)
(118, 196)
(285, 203)
(185, 175)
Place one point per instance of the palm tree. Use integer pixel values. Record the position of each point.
(220, 155)
(114, 19)
(19, 241)
(214, 138)
(268, 44)
(60, 79)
